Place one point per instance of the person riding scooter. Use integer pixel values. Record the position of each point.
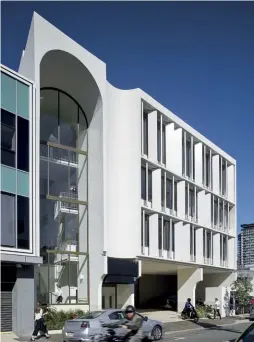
(189, 308)
(133, 323)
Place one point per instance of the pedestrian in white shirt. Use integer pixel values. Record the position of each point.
(216, 309)
(59, 294)
(39, 325)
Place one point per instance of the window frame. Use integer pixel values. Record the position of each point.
(15, 134)
(30, 230)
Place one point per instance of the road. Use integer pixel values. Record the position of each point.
(219, 334)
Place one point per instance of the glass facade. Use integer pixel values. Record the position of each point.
(63, 200)
(15, 203)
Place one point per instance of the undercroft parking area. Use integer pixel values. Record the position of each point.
(156, 292)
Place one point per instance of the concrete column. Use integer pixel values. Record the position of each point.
(23, 304)
(198, 164)
(187, 279)
(153, 235)
(199, 246)
(181, 199)
(152, 136)
(216, 174)
(174, 148)
(156, 188)
(125, 295)
(231, 183)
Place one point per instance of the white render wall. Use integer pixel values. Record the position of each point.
(114, 166)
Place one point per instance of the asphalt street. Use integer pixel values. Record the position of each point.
(228, 332)
(218, 334)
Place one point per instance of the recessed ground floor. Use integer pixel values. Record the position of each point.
(147, 283)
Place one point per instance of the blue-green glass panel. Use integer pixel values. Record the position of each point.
(8, 179)
(22, 100)
(22, 183)
(8, 93)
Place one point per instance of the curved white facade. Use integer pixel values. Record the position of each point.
(116, 211)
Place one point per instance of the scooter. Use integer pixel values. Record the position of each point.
(193, 315)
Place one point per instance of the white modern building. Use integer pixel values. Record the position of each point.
(129, 202)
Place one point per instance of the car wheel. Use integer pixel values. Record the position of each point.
(156, 333)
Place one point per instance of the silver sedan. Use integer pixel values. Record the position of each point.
(89, 325)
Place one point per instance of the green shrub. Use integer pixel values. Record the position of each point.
(204, 311)
(55, 319)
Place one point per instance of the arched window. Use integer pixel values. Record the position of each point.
(62, 119)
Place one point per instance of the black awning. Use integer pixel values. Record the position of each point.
(123, 267)
(117, 279)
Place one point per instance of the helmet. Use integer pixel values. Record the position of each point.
(130, 309)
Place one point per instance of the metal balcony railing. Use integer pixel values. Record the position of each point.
(58, 154)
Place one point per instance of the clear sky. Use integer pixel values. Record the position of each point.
(196, 58)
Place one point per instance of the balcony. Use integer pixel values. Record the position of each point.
(67, 246)
(64, 206)
(58, 155)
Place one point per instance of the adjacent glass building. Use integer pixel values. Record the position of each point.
(18, 250)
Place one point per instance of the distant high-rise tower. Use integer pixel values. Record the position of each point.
(246, 245)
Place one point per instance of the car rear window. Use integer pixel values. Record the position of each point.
(92, 314)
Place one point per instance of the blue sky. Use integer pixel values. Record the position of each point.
(196, 58)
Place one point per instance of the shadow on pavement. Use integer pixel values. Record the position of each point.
(213, 326)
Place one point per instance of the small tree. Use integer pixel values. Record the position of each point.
(242, 288)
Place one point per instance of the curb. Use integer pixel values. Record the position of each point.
(211, 328)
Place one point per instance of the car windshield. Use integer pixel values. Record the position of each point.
(248, 336)
(92, 315)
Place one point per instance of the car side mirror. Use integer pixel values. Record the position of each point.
(146, 318)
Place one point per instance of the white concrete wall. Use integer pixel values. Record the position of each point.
(125, 295)
(122, 169)
(187, 282)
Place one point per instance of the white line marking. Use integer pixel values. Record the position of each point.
(179, 338)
